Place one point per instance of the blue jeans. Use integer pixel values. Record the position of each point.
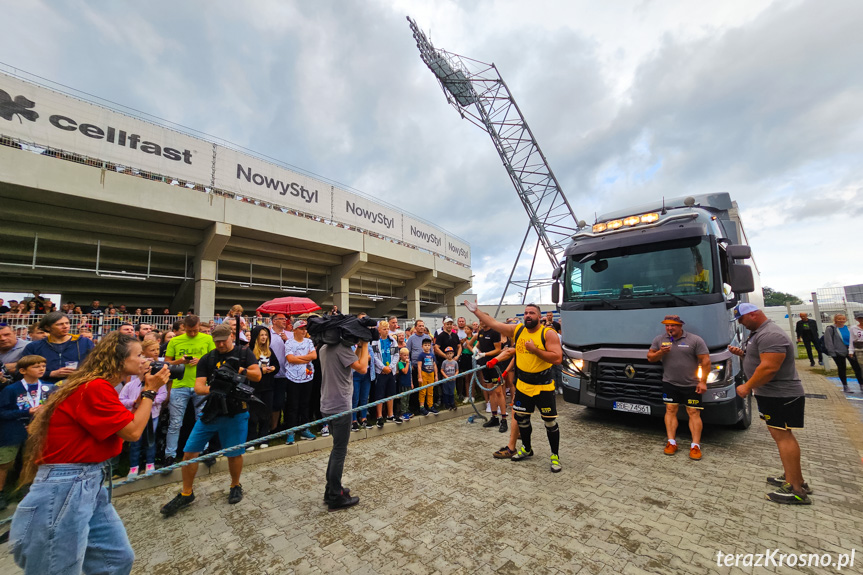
(180, 397)
(66, 524)
(362, 385)
(147, 444)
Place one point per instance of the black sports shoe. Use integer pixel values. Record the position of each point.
(355, 426)
(503, 425)
(342, 501)
(786, 496)
(177, 503)
(779, 481)
(492, 422)
(236, 494)
(327, 497)
(367, 425)
(381, 422)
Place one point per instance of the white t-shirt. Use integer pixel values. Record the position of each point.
(299, 373)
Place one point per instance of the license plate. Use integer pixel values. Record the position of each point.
(631, 407)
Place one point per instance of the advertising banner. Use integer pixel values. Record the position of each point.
(424, 235)
(48, 118)
(364, 213)
(457, 250)
(254, 178)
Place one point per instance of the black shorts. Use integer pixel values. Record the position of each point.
(385, 385)
(782, 412)
(674, 395)
(544, 400)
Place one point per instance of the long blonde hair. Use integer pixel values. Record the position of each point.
(105, 361)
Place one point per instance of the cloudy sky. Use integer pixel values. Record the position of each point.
(629, 100)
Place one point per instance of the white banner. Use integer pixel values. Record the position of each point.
(47, 118)
(457, 250)
(424, 235)
(367, 214)
(254, 178)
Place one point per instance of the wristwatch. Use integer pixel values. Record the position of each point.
(150, 394)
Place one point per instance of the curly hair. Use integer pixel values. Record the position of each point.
(105, 361)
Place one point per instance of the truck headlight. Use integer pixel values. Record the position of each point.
(718, 373)
(577, 367)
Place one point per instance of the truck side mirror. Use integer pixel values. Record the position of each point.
(555, 292)
(558, 271)
(741, 280)
(738, 252)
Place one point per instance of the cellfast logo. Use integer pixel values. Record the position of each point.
(284, 188)
(21, 107)
(426, 236)
(460, 252)
(373, 217)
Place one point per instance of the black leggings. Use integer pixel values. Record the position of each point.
(260, 416)
(841, 368)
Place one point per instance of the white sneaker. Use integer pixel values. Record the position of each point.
(466, 400)
(488, 407)
(250, 448)
(325, 431)
(263, 446)
(150, 467)
(133, 472)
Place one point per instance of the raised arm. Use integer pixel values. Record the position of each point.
(501, 328)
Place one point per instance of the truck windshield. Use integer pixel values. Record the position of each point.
(680, 270)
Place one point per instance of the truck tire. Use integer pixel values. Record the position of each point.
(746, 419)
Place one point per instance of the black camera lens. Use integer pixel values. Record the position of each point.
(175, 371)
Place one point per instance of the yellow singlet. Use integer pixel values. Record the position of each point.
(529, 362)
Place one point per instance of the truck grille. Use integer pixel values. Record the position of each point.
(645, 385)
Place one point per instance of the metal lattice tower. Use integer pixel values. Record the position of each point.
(479, 94)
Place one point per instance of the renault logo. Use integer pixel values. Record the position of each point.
(629, 371)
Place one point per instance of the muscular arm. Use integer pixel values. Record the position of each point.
(655, 355)
(770, 364)
(504, 329)
(553, 352)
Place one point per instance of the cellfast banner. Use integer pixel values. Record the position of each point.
(48, 118)
(51, 119)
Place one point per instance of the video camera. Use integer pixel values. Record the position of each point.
(175, 371)
(346, 329)
(227, 384)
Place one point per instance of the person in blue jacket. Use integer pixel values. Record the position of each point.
(19, 402)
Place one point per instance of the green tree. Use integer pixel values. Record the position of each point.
(773, 297)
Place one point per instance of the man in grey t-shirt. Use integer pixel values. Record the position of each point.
(337, 391)
(681, 353)
(768, 363)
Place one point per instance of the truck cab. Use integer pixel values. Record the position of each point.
(623, 275)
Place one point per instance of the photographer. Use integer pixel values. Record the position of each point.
(223, 413)
(66, 522)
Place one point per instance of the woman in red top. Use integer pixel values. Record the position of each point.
(66, 523)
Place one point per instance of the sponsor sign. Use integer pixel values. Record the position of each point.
(47, 118)
(254, 178)
(364, 213)
(456, 249)
(423, 234)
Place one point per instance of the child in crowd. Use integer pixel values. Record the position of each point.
(404, 380)
(130, 397)
(449, 368)
(19, 402)
(427, 368)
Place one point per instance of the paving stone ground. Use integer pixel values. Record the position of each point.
(433, 500)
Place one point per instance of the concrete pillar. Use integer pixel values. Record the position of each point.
(342, 274)
(206, 266)
(411, 293)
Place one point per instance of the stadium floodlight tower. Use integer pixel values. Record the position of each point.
(479, 94)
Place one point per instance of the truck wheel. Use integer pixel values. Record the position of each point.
(746, 419)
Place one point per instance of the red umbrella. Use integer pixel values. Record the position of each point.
(289, 306)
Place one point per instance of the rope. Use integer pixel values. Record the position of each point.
(266, 439)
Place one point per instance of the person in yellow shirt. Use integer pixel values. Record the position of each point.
(700, 280)
(536, 348)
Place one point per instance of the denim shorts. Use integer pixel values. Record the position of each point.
(66, 524)
(232, 431)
